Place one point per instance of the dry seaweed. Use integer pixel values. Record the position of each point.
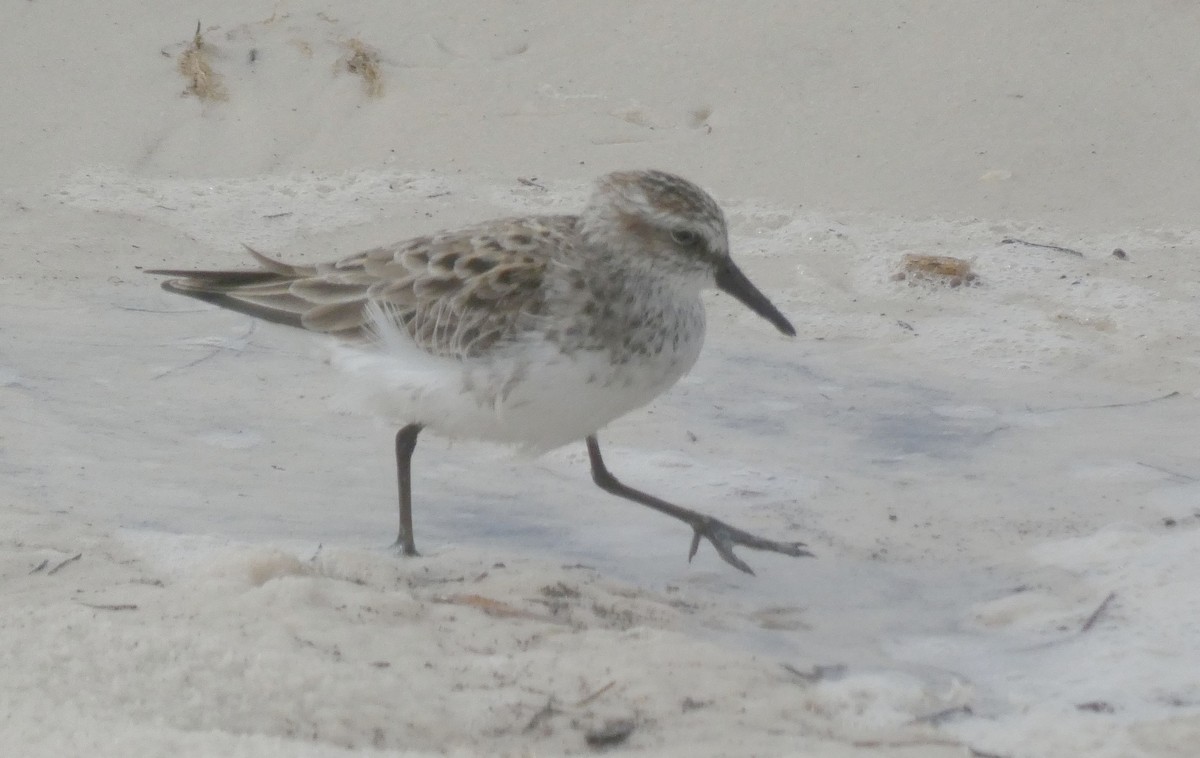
(935, 269)
(196, 67)
(364, 61)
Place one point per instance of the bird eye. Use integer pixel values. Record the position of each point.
(685, 237)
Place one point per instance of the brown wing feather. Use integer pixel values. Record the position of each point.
(456, 293)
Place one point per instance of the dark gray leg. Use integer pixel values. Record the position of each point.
(722, 536)
(406, 442)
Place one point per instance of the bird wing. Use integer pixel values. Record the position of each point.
(455, 293)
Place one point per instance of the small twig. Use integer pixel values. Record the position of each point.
(1092, 619)
(72, 559)
(916, 742)
(215, 352)
(972, 751)
(817, 674)
(112, 607)
(803, 676)
(490, 606)
(937, 717)
(596, 694)
(278, 215)
(40, 566)
(1169, 472)
(1059, 248)
(1131, 403)
(546, 712)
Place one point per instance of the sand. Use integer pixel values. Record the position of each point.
(998, 478)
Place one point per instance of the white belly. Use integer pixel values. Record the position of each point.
(533, 396)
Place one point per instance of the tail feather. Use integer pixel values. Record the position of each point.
(278, 292)
(279, 267)
(271, 313)
(215, 279)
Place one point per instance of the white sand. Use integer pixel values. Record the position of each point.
(979, 469)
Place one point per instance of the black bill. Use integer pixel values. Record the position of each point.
(731, 279)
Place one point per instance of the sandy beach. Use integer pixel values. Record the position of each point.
(996, 469)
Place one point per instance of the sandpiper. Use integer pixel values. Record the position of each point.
(534, 331)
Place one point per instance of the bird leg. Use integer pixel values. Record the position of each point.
(406, 443)
(722, 536)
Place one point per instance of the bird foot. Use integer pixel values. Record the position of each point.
(724, 537)
(407, 548)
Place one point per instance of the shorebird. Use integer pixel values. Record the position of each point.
(534, 331)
